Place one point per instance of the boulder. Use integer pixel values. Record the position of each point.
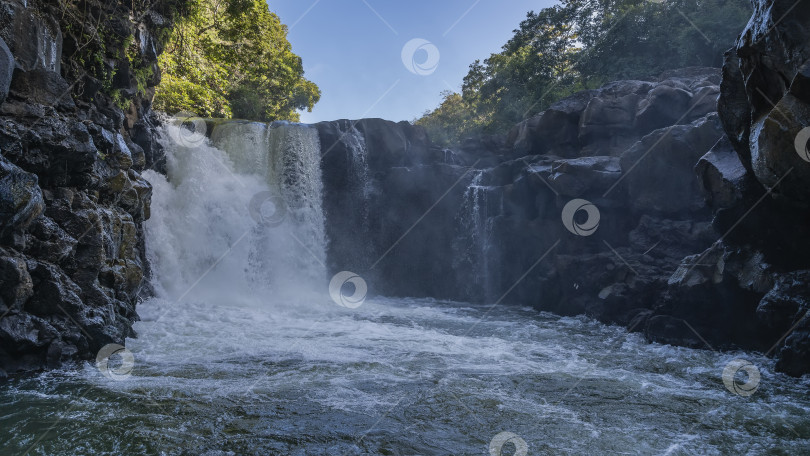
(774, 155)
(21, 199)
(555, 131)
(716, 293)
(704, 102)
(693, 77)
(722, 176)
(663, 106)
(34, 39)
(784, 311)
(17, 285)
(762, 112)
(43, 87)
(48, 241)
(660, 166)
(576, 177)
(608, 116)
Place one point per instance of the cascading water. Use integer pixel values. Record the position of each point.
(290, 242)
(474, 253)
(248, 202)
(359, 174)
(242, 352)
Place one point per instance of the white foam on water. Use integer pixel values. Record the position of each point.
(243, 329)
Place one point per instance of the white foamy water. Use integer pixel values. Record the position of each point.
(244, 353)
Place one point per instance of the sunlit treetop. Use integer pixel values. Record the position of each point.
(231, 58)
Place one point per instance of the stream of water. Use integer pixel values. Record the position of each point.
(244, 352)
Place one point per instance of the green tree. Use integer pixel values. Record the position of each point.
(231, 58)
(582, 44)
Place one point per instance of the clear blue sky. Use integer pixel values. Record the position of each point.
(353, 49)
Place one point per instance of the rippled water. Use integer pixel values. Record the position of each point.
(229, 367)
(398, 377)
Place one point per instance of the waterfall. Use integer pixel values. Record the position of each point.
(242, 211)
(474, 258)
(360, 186)
(346, 167)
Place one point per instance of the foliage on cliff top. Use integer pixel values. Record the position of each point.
(231, 58)
(582, 44)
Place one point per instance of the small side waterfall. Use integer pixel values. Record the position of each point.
(359, 174)
(246, 204)
(474, 253)
(346, 167)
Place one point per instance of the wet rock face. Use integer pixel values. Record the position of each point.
(609, 120)
(766, 101)
(72, 199)
(6, 69)
(485, 214)
(671, 231)
(20, 198)
(761, 196)
(379, 179)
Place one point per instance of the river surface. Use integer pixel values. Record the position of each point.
(398, 377)
(243, 351)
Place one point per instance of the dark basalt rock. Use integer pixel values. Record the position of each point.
(43, 87)
(559, 124)
(6, 69)
(659, 168)
(700, 234)
(20, 198)
(784, 311)
(379, 178)
(723, 178)
(72, 200)
(765, 101)
(506, 205)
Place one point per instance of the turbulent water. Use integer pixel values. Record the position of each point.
(245, 352)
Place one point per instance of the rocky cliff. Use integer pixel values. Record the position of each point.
(472, 223)
(637, 203)
(676, 206)
(76, 132)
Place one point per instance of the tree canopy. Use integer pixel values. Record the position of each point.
(582, 44)
(231, 58)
